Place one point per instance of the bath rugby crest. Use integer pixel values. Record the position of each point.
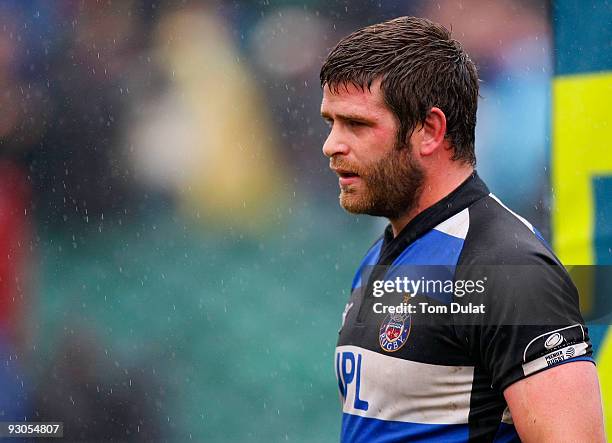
(410, 376)
(394, 331)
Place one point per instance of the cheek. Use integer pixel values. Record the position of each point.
(385, 136)
(377, 144)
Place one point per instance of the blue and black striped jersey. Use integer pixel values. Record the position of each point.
(438, 371)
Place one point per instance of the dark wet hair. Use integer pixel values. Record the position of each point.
(421, 66)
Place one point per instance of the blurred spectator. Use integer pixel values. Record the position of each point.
(21, 105)
(207, 136)
(15, 243)
(78, 169)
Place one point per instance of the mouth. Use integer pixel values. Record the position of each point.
(346, 177)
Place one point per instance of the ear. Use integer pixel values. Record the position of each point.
(433, 131)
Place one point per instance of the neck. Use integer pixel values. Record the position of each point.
(435, 188)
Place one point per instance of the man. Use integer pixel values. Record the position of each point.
(400, 98)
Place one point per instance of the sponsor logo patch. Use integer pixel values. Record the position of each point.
(554, 347)
(553, 340)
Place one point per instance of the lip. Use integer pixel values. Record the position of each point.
(345, 181)
(346, 177)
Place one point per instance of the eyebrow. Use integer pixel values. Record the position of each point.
(354, 117)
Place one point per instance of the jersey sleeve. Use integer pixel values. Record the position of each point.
(531, 319)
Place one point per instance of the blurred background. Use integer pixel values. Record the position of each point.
(173, 260)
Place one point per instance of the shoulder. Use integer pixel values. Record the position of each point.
(525, 281)
(496, 235)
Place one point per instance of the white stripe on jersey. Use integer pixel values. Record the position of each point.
(457, 225)
(525, 222)
(409, 391)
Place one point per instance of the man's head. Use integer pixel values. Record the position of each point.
(386, 88)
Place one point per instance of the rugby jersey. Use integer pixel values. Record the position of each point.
(423, 376)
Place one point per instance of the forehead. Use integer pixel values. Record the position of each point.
(348, 99)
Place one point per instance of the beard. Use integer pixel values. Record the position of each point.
(389, 188)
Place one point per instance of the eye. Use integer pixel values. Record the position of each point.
(329, 122)
(355, 123)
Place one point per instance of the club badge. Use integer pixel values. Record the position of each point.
(394, 332)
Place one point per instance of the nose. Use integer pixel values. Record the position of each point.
(333, 145)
